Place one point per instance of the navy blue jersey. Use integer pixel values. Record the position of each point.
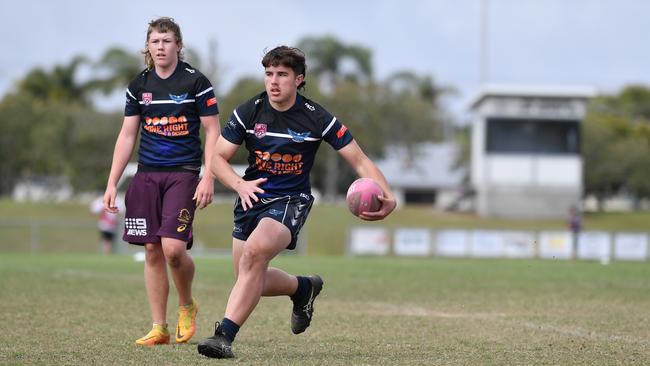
(169, 111)
(282, 145)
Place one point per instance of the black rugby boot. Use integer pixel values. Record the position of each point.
(217, 346)
(302, 312)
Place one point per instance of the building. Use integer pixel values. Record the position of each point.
(424, 174)
(525, 160)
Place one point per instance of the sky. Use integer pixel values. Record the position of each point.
(592, 43)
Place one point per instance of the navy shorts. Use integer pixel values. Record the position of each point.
(159, 204)
(291, 211)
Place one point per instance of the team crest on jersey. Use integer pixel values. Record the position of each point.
(147, 98)
(260, 130)
(298, 136)
(178, 99)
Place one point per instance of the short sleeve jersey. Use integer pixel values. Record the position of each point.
(170, 111)
(282, 145)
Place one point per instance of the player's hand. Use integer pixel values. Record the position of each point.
(204, 192)
(387, 206)
(109, 199)
(247, 191)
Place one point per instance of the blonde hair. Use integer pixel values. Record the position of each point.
(161, 25)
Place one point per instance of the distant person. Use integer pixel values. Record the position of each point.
(575, 225)
(167, 103)
(106, 224)
(282, 131)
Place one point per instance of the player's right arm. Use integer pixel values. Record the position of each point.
(121, 155)
(221, 168)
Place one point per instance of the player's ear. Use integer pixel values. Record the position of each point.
(299, 79)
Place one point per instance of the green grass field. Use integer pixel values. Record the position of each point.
(64, 304)
(87, 309)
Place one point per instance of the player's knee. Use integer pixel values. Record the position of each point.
(250, 259)
(174, 258)
(153, 254)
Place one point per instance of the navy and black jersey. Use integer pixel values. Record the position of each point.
(169, 111)
(282, 145)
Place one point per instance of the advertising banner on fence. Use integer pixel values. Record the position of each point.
(631, 246)
(518, 244)
(369, 241)
(412, 242)
(555, 245)
(486, 244)
(593, 245)
(452, 243)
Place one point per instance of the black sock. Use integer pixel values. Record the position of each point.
(230, 329)
(301, 295)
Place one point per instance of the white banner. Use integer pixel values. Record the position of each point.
(452, 243)
(555, 245)
(369, 241)
(631, 246)
(412, 242)
(594, 245)
(486, 244)
(519, 244)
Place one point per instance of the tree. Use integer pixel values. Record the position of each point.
(615, 148)
(118, 67)
(60, 85)
(332, 62)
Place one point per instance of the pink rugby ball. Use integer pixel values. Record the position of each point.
(363, 196)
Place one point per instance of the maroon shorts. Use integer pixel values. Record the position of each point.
(159, 204)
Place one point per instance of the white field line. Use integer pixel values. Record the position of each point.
(569, 331)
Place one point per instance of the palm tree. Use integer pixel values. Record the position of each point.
(118, 67)
(332, 61)
(59, 85)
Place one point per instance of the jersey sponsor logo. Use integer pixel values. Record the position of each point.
(232, 124)
(278, 164)
(178, 99)
(341, 131)
(212, 101)
(147, 98)
(191, 71)
(257, 101)
(167, 126)
(155, 121)
(136, 226)
(310, 107)
(298, 136)
(260, 130)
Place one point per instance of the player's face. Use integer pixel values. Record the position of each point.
(281, 84)
(163, 48)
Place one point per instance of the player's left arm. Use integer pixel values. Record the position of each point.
(205, 190)
(365, 168)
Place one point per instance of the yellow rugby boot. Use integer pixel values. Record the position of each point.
(186, 325)
(157, 335)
